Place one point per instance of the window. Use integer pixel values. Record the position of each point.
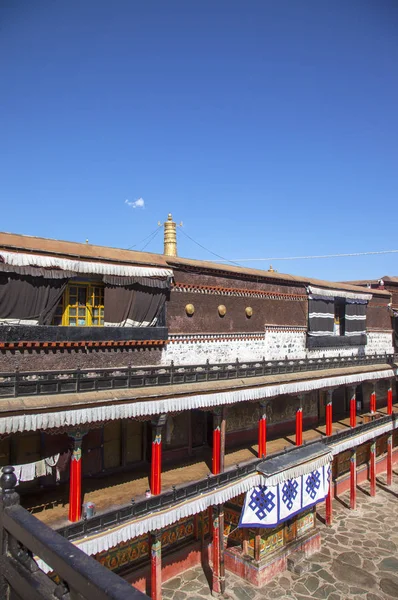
(339, 316)
(81, 306)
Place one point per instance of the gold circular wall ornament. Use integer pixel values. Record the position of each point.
(222, 310)
(248, 311)
(190, 309)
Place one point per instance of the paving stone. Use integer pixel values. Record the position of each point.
(368, 565)
(168, 594)
(190, 575)
(353, 575)
(352, 558)
(389, 564)
(324, 591)
(243, 593)
(312, 583)
(180, 596)
(173, 584)
(326, 576)
(389, 586)
(371, 596)
(191, 586)
(356, 590)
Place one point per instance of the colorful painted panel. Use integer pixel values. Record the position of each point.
(305, 522)
(125, 554)
(343, 463)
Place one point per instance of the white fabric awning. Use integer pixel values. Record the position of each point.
(146, 408)
(17, 259)
(359, 439)
(338, 293)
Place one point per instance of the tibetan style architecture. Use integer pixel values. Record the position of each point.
(161, 412)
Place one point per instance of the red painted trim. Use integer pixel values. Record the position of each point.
(156, 467)
(156, 575)
(329, 418)
(389, 401)
(216, 558)
(75, 490)
(353, 410)
(373, 402)
(262, 437)
(299, 427)
(216, 450)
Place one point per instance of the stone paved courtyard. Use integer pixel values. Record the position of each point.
(358, 559)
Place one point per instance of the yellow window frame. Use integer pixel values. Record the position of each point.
(92, 311)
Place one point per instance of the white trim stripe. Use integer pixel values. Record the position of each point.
(111, 412)
(17, 259)
(338, 293)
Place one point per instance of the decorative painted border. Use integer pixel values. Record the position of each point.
(286, 328)
(213, 290)
(213, 337)
(54, 345)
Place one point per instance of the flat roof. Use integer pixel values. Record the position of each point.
(38, 245)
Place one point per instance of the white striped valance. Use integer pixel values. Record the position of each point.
(17, 259)
(298, 470)
(338, 293)
(161, 519)
(146, 408)
(362, 438)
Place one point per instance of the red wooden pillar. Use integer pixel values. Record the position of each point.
(156, 458)
(216, 442)
(373, 400)
(353, 407)
(373, 469)
(389, 399)
(329, 511)
(156, 566)
(353, 479)
(262, 432)
(75, 478)
(299, 426)
(218, 581)
(389, 460)
(223, 428)
(329, 413)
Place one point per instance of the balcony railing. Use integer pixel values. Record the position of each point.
(23, 536)
(13, 384)
(177, 494)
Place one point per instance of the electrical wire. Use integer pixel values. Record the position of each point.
(207, 250)
(145, 238)
(152, 238)
(273, 258)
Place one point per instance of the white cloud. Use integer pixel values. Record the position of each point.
(139, 203)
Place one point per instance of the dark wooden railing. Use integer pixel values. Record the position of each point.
(147, 506)
(18, 383)
(23, 537)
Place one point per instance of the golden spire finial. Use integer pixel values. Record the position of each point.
(170, 237)
(271, 270)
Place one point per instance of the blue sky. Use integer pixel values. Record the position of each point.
(269, 128)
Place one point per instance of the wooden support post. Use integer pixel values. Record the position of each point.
(216, 441)
(218, 582)
(389, 399)
(257, 546)
(373, 400)
(75, 477)
(156, 566)
(329, 413)
(223, 427)
(329, 506)
(262, 431)
(389, 460)
(156, 458)
(353, 407)
(373, 468)
(245, 543)
(299, 426)
(353, 479)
